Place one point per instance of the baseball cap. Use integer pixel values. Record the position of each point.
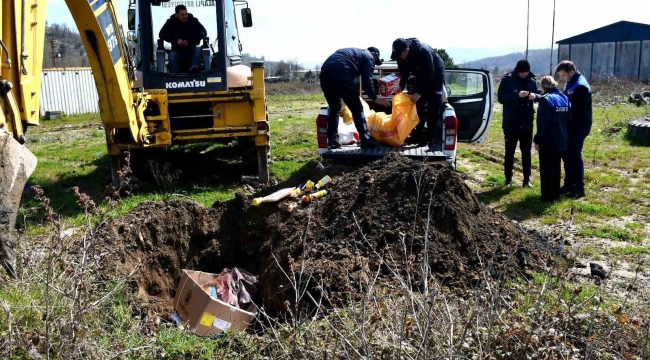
(378, 61)
(398, 46)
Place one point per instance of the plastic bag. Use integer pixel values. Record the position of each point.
(348, 134)
(346, 114)
(395, 128)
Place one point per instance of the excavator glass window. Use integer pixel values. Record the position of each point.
(205, 11)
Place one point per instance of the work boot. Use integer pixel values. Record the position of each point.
(564, 190)
(508, 182)
(527, 183)
(370, 143)
(333, 142)
(576, 194)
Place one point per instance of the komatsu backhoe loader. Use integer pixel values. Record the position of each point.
(141, 103)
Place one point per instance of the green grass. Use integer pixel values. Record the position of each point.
(609, 233)
(630, 250)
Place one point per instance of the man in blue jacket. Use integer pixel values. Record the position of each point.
(579, 93)
(337, 80)
(419, 59)
(553, 117)
(517, 92)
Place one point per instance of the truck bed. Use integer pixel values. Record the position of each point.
(354, 152)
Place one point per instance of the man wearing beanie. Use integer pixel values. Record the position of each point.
(419, 59)
(517, 92)
(337, 80)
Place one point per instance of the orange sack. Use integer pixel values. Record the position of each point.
(395, 128)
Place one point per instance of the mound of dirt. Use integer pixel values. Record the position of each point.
(385, 218)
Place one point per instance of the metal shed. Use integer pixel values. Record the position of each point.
(71, 90)
(620, 50)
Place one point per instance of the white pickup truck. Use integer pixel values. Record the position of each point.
(466, 114)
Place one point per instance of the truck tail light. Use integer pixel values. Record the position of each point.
(451, 129)
(262, 127)
(321, 129)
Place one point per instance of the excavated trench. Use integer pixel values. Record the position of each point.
(373, 211)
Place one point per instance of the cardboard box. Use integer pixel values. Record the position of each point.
(389, 85)
(203, 314)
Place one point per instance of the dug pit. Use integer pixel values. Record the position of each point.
(383, 218)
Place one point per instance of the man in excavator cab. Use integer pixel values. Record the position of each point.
(184, 32)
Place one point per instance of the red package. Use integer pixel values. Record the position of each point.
(389, 85)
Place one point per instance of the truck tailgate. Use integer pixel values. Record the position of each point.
(353, 152)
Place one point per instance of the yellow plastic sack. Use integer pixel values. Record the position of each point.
(347, 114)
(395, 128)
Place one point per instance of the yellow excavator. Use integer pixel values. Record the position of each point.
(142, 103)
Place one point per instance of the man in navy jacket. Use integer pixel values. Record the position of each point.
(337, 80)
(553, 117)
(419, 59)
(579, 93)
(517, 92)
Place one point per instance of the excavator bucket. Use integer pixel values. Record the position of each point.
(16, 166)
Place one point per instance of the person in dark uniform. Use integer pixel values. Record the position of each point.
(553, 117)
(579, 93)
(517, 92)
(337, 80)
(421, 60)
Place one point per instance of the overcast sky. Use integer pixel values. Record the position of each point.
(310, 30)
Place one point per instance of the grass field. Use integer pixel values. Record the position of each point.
(611, 226)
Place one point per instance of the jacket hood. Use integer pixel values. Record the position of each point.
(414, 44)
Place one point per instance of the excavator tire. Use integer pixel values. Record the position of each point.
(17, 164)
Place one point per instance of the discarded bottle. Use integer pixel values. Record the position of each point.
(323, 181)
(278, 195)
(317, 195)
(307, 186)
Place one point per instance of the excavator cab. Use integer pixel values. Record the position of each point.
(218, 50)
(220, 100)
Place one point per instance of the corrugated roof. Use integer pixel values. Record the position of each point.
(616, 32)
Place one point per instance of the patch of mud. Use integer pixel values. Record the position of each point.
(386, 217)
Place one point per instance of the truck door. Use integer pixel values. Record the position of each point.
(471, 93)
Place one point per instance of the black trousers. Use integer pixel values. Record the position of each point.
(525, 139)
(549, 174)
(335, 90)
(428, 108)
(574, 167)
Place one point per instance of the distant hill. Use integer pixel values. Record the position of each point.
(67, 42)
(539, 62)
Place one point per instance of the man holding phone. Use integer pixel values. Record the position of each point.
(517, 92)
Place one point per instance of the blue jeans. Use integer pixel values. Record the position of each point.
(175, 58)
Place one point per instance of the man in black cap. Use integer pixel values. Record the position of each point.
(337, 80)
(517, 92)
(419, 59)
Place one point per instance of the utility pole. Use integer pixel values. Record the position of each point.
(550, 72)
(528, 28)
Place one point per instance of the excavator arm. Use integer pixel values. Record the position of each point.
(21, 56)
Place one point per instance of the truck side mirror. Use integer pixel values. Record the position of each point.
(246, 17)
(131, 19)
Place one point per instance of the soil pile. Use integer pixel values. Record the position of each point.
(384, 218)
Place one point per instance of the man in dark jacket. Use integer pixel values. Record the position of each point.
(579, 93)
(337, 80)
(419, 59)
(185, 33)
(553, 117)
(517, 92)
